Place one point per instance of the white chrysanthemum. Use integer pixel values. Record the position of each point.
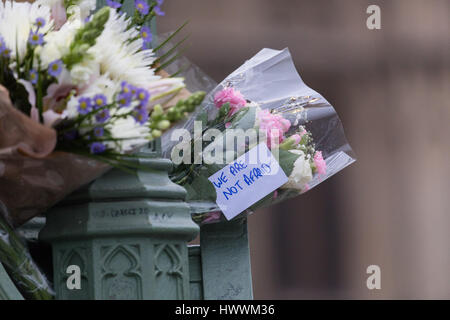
(123, 60)
(81, 8)
(16, 21)
(130, 134)
(57, 42)
(301, 174)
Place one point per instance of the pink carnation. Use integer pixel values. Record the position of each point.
(212, 217)
(274, 126)
(320, 163)
(234, 97)
(297, 138)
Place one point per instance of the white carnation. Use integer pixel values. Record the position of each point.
(301, 174)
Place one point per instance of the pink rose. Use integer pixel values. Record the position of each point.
(274, 126)
(320, 163)
(234, 97)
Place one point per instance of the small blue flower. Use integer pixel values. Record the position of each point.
(33, 76)
(36, 39)
(158, 11)
(159, 2)
(40, 22)
(84, 105)
(98, 132)
(5, 52)
(102, 116)
(140, 115)
(99, 101)
(55, 68)
(97, 147)
(142, 7)
(126, 88)
(146, 34)
(124, 99)
(143, 96)
(113, 4)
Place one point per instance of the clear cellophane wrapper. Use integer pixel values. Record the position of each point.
(271, 80)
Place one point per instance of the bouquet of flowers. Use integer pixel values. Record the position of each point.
(85, 92)
(80, 92)
(264, 101)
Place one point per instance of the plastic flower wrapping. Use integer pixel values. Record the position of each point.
(267, 96)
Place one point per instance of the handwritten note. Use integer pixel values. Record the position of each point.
(247, 180)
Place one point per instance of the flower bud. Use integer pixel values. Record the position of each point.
(163, 124)
(156, 133)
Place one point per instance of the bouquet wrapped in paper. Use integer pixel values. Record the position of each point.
(262, 105)
(80, 92)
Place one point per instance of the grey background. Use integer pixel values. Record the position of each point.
(390, 88)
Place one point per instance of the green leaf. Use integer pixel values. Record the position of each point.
(170, 37)
(204, 189)
(203, 117)
(172, 50)
(245, 118)
(17, 92)
(224, 110)
(287, 160)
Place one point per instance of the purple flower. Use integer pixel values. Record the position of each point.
(146, 34)
(158, 11)
(159, 2)
(98, 132)
(126, 87)
(99, 101)
(35, 38)
(5, 52)
(33, 76)
(113, 4)
(84, 105)
(55, 68)
(143, 96)
(40, 22)
(142, 7)
(102, 116)
(140, 114)
(124, 99)
(97, 147)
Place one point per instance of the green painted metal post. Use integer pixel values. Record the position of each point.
(225, 259)
(127, 233)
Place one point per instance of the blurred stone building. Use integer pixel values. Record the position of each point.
(391, 88)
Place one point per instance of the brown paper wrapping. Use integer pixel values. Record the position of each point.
(33, 177)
